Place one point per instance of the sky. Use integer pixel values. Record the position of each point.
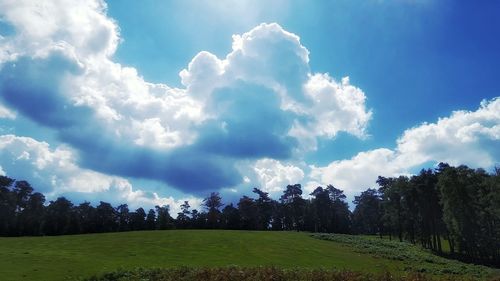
(156, 102)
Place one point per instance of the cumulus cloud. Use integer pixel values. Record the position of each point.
(55, 173)
(260, 101)
(336, 107)
(465, 137)
(358, 173)
(273, 176)
(81, 25)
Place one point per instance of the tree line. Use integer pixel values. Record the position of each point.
(458, 205)
(25, 212)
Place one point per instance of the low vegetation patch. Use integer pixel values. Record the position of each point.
(414, 257)
(258, 274)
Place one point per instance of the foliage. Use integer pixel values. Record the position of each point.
(23, 212)
(459, 204)
(415, 258)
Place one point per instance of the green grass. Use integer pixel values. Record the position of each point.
(55, 258)
(69, 257)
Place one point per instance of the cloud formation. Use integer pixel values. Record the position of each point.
(55, 173)
(260, 101)
(273, 176)
(249, 117)
(465, 137)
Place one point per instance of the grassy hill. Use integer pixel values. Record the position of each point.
(69, 257)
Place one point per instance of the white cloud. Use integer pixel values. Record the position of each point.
(466, 137)
(123, 192)
(336, 106)
(273, 176)
(133, 114)
(55, 172)
(358, 173)
(61, 56)
(6, 113)
(152, 133)
(274, 58)
(339, 106)
(118, 97)
(42, 24)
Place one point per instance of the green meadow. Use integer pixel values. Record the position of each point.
(82, 256)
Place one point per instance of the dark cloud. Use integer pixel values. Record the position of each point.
(247, 116)
(250, 124)
(188, 168)
(34, 87)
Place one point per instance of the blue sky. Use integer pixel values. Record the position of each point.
(421, 59)
(157, 102)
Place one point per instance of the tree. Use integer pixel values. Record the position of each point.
(367, 214)
(123, 216)
(230, 217)
(7, 207)
(467, 212)
(491, 218)
(151, 220)
(321, 210)
(430, 223)
(106, 218)
(31, 217)
(183, 217)
(293, 207)
(163, 218)
(137, 219)
(248, 213)
(264, 209)
(390, 188)
(341, 222)
(87, 216)
(58, 217)
(212, 204)
(278, 216)
(198, 220)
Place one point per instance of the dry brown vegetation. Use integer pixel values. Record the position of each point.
(262, 274)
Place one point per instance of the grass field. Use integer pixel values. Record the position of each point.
(69, 257)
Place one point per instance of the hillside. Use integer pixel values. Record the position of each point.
(68, 257)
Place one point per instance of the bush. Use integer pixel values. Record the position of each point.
(255, 274)
(415, 258)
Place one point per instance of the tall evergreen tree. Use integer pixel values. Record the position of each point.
(248, 212)
(183, 217)
(265, 209)
(212, 204)
(367, 213)
(163, 218)
(293, 207)
(150, 220)
(58, 217)
(230, 217)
